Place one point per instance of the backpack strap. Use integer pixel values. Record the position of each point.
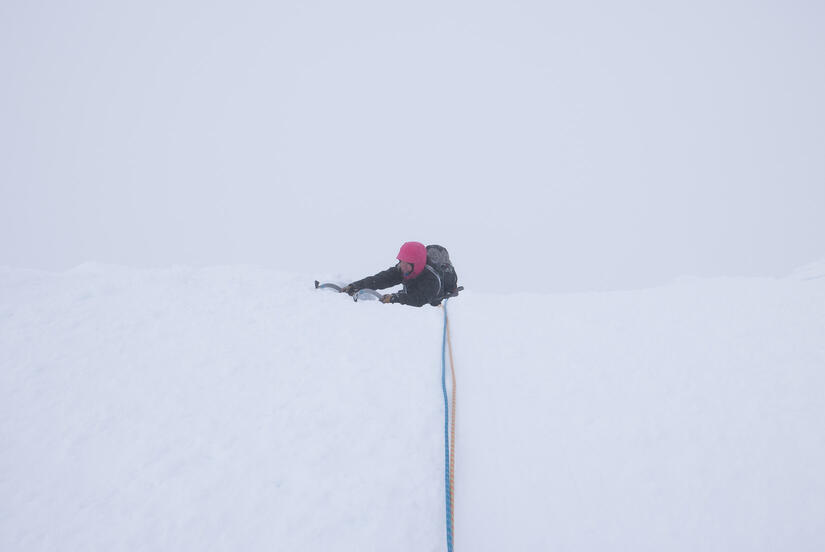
(440, 285)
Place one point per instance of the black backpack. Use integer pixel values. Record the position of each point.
(438, 262)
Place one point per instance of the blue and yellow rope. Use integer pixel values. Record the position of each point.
(449, 422)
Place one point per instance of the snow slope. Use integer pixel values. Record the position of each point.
(236, 408)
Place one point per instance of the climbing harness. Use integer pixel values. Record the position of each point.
(449, 427)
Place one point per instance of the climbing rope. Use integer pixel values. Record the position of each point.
(449, 421)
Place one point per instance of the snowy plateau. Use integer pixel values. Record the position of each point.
(239, 409)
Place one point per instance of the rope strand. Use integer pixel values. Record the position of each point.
(452, 432)
(449, 434)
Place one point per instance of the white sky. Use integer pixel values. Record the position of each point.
(559, 146)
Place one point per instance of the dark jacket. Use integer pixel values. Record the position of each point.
(417, 291)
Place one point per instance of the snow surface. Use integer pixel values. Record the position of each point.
(237, 408)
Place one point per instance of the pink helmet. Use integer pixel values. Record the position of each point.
(416, 254)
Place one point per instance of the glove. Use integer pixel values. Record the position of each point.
(349, 289)
(389, 298)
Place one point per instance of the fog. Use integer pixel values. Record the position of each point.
(548, 145)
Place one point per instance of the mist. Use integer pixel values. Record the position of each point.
(548, 146)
